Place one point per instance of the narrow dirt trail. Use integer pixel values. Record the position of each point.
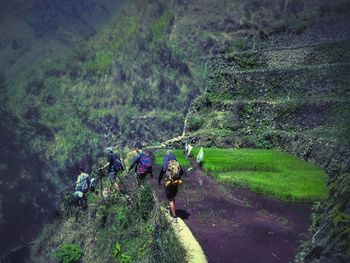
(236, 225)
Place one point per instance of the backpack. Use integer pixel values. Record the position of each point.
(173, 174)
(93, 184)
(118, 166)
(145, 163)
(84, 184)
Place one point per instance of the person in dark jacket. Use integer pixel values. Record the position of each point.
(142, 163)
(114, 165)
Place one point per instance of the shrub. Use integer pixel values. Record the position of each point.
(68, 253)
(195, 123)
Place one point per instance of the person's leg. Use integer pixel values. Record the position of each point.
(112, 180)
(171, 192)
(84, 203)
(161, 175)
(172, 208)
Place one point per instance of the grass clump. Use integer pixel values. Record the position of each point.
(159, 156)
(270, 172)
(68, 253)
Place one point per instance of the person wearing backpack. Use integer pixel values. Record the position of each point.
(142, 163)
(82, 187)
(173, 172)
(114, 165)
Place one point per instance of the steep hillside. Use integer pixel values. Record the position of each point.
(74, 94)
(288, 92)
(127, 227)
(34, 31)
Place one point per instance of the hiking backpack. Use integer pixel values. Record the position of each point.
(84, 184)
(173, 174)
(145, 163)
(118, 165)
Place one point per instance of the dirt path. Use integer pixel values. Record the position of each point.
(235, 225)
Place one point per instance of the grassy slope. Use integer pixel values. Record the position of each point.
(118, 232)
(270, 172)
(123, 83)
(160, 154)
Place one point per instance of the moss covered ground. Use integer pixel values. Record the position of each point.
(270, 172)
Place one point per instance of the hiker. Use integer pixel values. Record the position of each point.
(142, 163)
(81, 187)
(173, 172)
(93, 185)
(114, 165)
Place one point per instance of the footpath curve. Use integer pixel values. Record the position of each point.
(233, 224)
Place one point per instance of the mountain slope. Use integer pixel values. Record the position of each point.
(136, 78)
(290, 95)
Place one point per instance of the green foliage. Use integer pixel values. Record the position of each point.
(91, 197)
(122, 257)
(159, 27)
(116, 249)
(246, 60)
(103, 61)
(180, 156)
(195, 123)
(265, 171)
(68, 253)
(239, 44)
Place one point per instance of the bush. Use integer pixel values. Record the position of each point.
(195, 123)
(68, 253)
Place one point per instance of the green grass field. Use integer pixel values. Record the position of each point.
(179, 156)
(274, 173)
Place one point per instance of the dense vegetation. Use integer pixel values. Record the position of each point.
(265, 171)
(126, 226)
(136, 79)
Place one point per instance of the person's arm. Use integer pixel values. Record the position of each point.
(77, 183)
(121, 163)
(181, 172)
(105, 166)
(151, 171)
(161, 174)
(135, 161)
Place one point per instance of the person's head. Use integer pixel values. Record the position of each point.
(138, 146)
(109, 150)
(168, 152)
(81, 168)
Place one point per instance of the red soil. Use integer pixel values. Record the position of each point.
(236, 225)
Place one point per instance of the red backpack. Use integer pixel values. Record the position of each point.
(145, 163)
